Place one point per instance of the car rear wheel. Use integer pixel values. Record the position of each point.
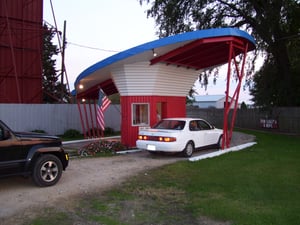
(189, 149)
(47, 170)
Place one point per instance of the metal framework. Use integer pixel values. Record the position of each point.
(21, 43)
(229, 121)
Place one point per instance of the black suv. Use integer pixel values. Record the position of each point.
(31, 154)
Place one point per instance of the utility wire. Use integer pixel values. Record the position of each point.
(78, 45)
(93, 48)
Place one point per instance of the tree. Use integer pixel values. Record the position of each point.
(243, 106)
(273, 23)
(51, 86)
(115, 98)
(269, 89)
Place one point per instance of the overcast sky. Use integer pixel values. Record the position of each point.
(97, 29)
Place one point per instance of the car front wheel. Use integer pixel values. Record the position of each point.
(189, 149)
(47, 170)
(219, 144)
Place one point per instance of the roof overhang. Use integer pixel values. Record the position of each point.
(202, 53)
(202, 49)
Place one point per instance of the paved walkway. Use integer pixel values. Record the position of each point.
(238, 139)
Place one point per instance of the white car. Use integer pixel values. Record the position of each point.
(179, 135)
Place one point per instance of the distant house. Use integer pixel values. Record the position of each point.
(211, 101)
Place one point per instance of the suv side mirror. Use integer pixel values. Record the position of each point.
(7, 134)
(4, 134)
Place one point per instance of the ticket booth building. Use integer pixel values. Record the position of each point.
(153, 79)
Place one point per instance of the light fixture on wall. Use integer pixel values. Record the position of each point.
(154, 53)
(80, 86)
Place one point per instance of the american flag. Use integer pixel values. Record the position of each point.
(103, 103)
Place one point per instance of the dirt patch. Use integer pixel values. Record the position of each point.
(20, 198)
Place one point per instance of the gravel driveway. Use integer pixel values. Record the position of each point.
(20, 198)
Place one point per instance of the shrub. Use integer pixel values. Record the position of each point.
(39, 131)
(102, 146)
(107, 132)
(71, 133)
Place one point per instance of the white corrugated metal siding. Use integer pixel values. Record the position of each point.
(141, 79)
(51, 118)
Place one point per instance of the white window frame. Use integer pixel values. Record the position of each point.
(145, 119)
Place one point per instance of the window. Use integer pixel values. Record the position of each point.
(140, 114)
(1, 133)
(194, 126)
(170, 125)
(203, 125)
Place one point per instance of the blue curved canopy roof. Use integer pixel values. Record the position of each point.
(170, 50)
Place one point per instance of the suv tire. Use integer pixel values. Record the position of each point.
(47, 170)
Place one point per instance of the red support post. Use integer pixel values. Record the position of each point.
(91, 116)
(227, 131)
(97, 125)
(81, 119)
(225, 139)
(240, 75)
(87, 121)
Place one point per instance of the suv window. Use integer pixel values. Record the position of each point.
(1, 133)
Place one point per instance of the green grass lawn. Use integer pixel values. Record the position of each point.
(259, 185)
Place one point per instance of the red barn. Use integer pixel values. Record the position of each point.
(21, 51)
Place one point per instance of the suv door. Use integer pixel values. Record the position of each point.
(12, 154)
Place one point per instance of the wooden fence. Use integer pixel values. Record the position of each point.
(286, 120)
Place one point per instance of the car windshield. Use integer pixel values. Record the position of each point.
(170, 124)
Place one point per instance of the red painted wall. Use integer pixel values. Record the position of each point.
(20, 51)
(170, 107)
